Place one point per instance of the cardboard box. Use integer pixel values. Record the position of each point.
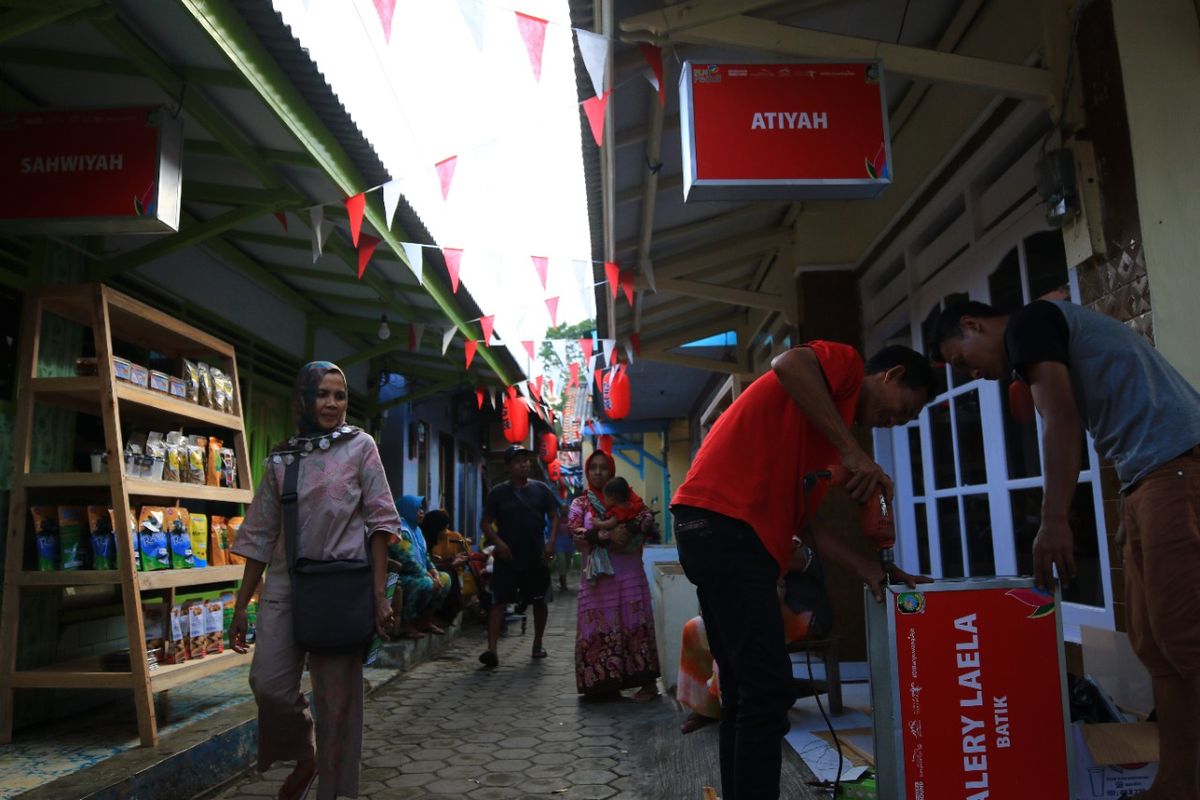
(1113, 760)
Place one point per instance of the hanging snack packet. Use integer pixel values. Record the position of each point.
(191, 380)
(152, 538)
(228, 468)
(218, 549)
(178, 525)
(235, 527)
(177, 644)
(206, 385)
(212, 475)
(45, 531)
(198, 530)
(214, 620)
(72, 537)
(154, 624)
(195, 464)
(193, 628)
(103, 540)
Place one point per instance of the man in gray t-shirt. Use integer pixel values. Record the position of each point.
(1086, 369)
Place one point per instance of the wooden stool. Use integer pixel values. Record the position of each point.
(827, 651)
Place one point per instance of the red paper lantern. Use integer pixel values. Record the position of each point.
(606, 443)
(1020, 402)
(548, 448)
(616, 395)
(554, 471)
(515, 416)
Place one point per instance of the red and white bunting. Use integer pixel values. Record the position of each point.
(528, 345)
(533, 32)
(453, 256)
(626, 281)
(472, 12)
(594, 49)
(629, 351)
(447, 337)
(552, 307)
(355, 206)
(416, 330)
(585, 344)
(486, 324)
(647, 267)
(469, 347)
(282, 217)
(391, 201)
(366, 248)
(573, 367)
(386, 9)
(635, 339)
(594, 108)
(612, 273)
(609, 345)
(415, 254)
(541, 263)
(480, 393)
(653, 56)
(445, 172)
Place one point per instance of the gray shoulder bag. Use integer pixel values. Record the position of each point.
(333, 602)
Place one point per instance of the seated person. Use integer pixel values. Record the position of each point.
(424, 587)
(449, 551)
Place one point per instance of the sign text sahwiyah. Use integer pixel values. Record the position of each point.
(972, 715)
(789, 120)
(72, 163)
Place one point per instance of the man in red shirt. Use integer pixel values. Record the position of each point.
(744, 498)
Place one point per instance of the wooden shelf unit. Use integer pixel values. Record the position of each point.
(112, 316)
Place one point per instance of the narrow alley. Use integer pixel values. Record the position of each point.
(451, 729)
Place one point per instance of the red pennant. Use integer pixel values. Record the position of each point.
(653, 56)
(445, 171)
(552, 307)
(282, 217)
(635, 339)
(412, 337)
(538, 382)
(574, 379)
(586, 346)
(533, 31)
(453, 256)
(540, 263)
(385, 10)
(598, 377)
(355, 206)
(612, 273)
(366, 248)
(486, 323)
(626, 281)
(469, 347)
(479, 393)
(528, 344)
(594, 108)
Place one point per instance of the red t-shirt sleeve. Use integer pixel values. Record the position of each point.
(842, 365)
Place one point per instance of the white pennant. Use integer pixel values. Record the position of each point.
(418, 329)
(320, 234)
(415, 254)
(592, 367)
(629, 350)
(609, 346)
(316, 216)
(497, 396)
(447, 337)
(594, 49)
(650, 76)
(560, 350)
(472, 11)
(648, 270)
(391, 201)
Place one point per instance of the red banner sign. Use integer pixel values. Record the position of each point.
(90, 171)
(980, 695)
(784, 131)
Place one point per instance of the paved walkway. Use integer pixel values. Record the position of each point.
(450, 729)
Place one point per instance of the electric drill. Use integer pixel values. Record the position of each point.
(877, 519)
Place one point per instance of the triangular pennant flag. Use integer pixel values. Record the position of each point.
(653, 56)
(453, 256)
(447, 337)
(486, 324)
(416, 330)
(612, 274)
(366, 247)
(472, 11)
(445, 171)
(355, 206)
(598, 378)
(415, 254)
(537, 383)
(552, 307)
(609, 345)
(386, 9)
(594, 108)
(391, 201)
(594, 49)
(560, 349)
(585, 345)
(528, 345)
(592, 362)
(540, 263)
(574, 369)
(533, 31)
(282, 217)
(648, 271)
(626, 281)
(635, 339)
(650, 77)
(497, 397)
(629, 351)
(316, 216)
(470, 346)
(479, 395)
(319, 235)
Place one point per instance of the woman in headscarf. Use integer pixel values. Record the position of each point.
(614, 645)
(425, 588)
(345, 511)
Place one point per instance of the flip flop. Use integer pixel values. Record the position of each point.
(539, 652)
(489, 659)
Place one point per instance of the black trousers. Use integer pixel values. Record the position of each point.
(735, 580)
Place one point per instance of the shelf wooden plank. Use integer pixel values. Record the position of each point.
(170, 405)
(186, 491)
(169, 676)
(84, 673)
(64, 480)
(72, 577)
(174, 578)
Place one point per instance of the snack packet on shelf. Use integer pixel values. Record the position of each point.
(45, 532)
(228, 468)
(212, 475)
(193, 632)
(191, 380)
(155, 620)
(198, 531)
(235, 527)
(177, 644)
(72, 537)
(178, 525)
(218, 547)
(214, 620)
(175, 457)
(195, 464)
(207, 398)
(102, 537)
(152, 538)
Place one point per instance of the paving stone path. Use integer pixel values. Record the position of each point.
(451, 729)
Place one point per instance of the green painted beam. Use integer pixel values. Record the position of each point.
(239, 43)
(110, 65)
(222, 194)
(21, 21)
(189, 234)
(287, 158)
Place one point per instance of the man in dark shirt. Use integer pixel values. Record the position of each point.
(514, 518)
(1086, 369)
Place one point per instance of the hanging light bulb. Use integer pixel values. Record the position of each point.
(384, 332)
